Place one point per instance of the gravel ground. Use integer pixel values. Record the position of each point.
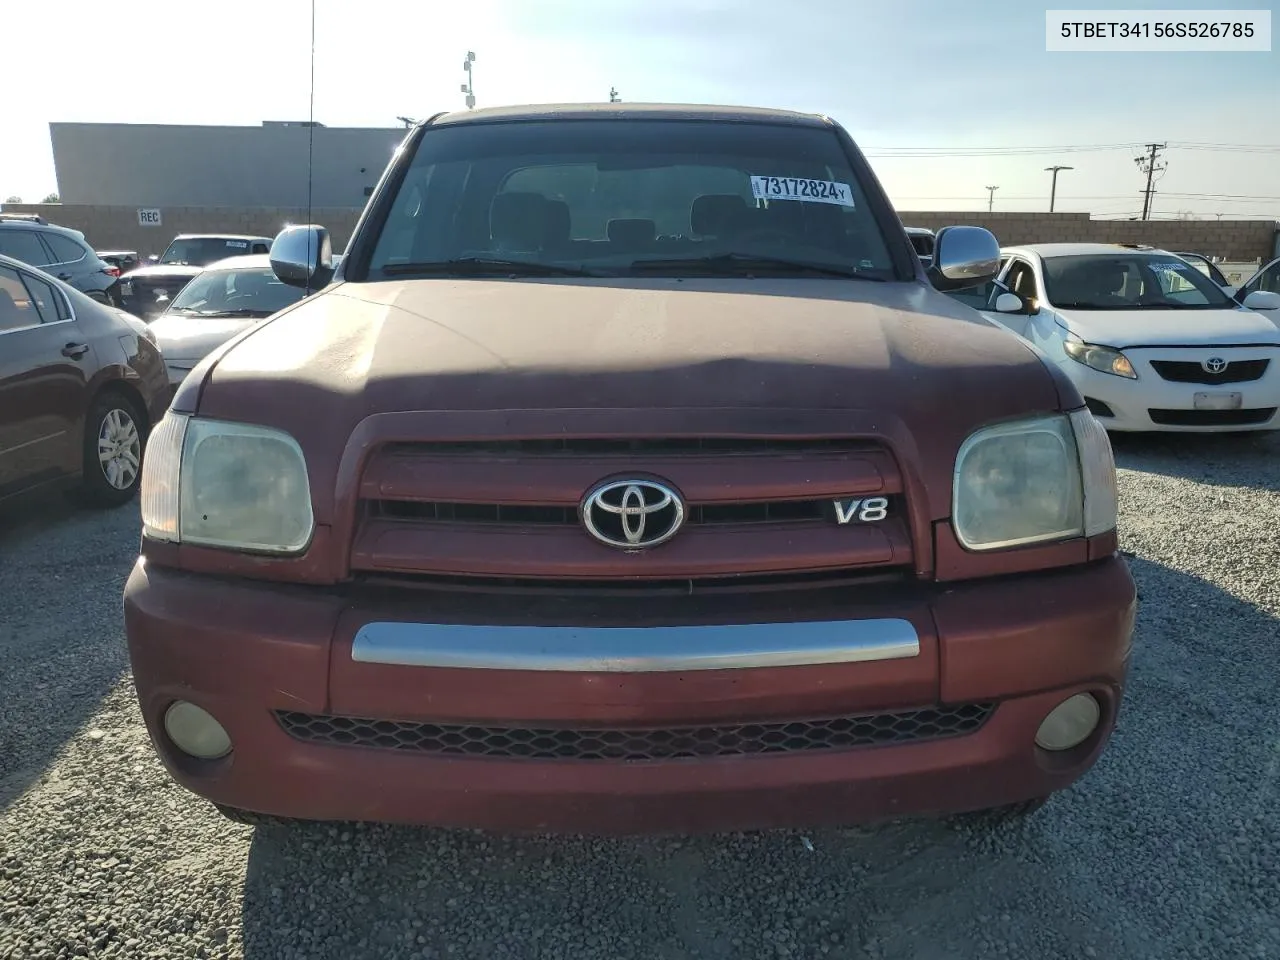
(1169, 848)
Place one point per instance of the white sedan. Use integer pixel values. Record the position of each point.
(1151, 343)
(221, 301)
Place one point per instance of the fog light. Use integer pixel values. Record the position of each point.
(194, 731)
(1069, 723)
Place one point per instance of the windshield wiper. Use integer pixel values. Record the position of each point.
(736, 264)
(237, 312)
(487, 265)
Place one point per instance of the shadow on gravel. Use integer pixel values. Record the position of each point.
(1222, 459)
(62, 571)
(1156, 853)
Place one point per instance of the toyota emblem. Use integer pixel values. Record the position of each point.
(1214, 365)
(632, 514)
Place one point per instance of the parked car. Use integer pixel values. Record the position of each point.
(922, 239)
(125, 260)
(223, 300)
(594, 495)
(61, 252)
(1209, 269)
(81, 383)
(146, 291)
(1266, 280)
(1150, 342)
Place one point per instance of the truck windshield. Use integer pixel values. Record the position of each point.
(618, 197)
(202, 251)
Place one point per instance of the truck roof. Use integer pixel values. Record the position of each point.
(633, 111)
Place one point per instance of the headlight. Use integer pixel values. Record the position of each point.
(225, 484)
(1051, 478)
(1105, 359)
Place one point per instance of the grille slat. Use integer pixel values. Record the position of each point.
(782, 511)
(1187, 371)
(647, 447)
(639, 744)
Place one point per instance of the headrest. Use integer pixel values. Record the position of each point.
(717, 213)
(518, 218)
(556, 222)
(632, 232)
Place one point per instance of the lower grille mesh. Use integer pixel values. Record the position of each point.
(668, 743)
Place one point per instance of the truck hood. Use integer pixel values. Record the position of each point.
(1165, 328)
(895, 359)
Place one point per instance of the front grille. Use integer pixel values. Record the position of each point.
(779, 511)
(1183, 371)
(666, 743)
(1211, 418)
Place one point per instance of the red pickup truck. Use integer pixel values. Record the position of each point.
(631, 474)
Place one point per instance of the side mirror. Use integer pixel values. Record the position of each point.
(302, 256)
(964, 257)
(1262, 300)
(1009, 303)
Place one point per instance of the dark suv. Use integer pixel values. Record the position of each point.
(59, 251)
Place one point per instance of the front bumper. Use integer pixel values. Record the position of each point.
(1153, 404)
(247, 652)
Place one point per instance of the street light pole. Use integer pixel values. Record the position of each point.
(991, 197)
(1053, 189)
(469, 88)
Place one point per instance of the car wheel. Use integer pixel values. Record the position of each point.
(251, 819)
(114, 436)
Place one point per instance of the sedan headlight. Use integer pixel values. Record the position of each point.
(1104, 359)
(1032, 481)
(223, 484)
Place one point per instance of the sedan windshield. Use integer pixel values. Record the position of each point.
(235, 293)
(1137, 281)
(610, 197)
(201, 251)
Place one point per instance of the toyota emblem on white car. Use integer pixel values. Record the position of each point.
(1214, 365)
(632, 514)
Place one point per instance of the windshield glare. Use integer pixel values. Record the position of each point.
(1129, 282)
(603, 195)
(235, 291)
(201, 251)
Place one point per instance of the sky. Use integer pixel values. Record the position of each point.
(936, 92)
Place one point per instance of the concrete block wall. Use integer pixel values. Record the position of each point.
(118, 228)
(1237, 240)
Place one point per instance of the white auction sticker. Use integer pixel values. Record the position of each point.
(806, 191)
(1169, 31)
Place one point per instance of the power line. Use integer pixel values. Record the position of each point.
(994, 151)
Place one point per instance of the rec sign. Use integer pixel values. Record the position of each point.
(148, 217)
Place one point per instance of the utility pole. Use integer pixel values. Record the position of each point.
(613, 95)
(1147, 164)
(469, 88)
(407, 121)
(991, 197)
(1053, 189)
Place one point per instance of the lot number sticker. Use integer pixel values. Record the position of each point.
(806, 191)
